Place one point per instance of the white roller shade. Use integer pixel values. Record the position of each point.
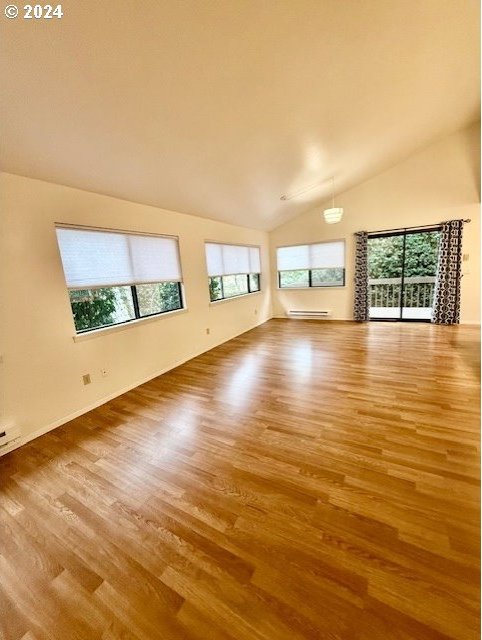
(229, 259)
(254, 260)
(155, 259)
(94, 258)
(324, 255)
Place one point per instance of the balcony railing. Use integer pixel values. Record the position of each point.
(418, 291)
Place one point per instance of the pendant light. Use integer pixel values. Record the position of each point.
(334, 214)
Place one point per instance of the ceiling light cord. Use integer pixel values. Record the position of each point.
(301, 192)
(332, 215)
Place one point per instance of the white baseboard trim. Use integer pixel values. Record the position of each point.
(326, 319)
(468, 323)
(19, 442)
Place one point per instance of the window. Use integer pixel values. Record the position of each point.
(233, 270)
(115, 277)
(312, 265)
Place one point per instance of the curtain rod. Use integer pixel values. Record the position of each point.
(423, 226)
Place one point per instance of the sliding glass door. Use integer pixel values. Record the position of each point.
(401, 269)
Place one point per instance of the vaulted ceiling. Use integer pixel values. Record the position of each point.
(219, 107)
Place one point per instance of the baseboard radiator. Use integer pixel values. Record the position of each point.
(301, 313)
(8, 434)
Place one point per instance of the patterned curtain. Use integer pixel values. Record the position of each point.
(361, 310)
(446, 307)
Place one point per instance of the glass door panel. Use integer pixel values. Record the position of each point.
(402, 269)
(420, 268)
(385, 271)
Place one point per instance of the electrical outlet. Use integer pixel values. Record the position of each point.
(104, 373)
(208, 331)
(86, 379)
(255, 312)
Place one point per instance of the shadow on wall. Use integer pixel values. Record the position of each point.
(472, 148)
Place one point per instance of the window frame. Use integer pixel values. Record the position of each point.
(248, 274)
(134, 295)
(135, 304)
(135, 299)
(237, 295)
(310, 276)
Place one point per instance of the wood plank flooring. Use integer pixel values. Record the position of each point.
(306, 480)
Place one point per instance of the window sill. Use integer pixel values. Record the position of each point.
(95, 333)
(243, 295)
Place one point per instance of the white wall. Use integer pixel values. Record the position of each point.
(441, 182)
(42, 364)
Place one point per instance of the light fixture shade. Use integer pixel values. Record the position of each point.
(333, 215)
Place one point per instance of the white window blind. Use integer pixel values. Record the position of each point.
(93, 258)
(230, 259)
(324, 255)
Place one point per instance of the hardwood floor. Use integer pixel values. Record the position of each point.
(305, 480)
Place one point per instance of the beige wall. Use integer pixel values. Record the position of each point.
(42, 365)
(438, 183)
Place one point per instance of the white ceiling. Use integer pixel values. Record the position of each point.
(218, 107)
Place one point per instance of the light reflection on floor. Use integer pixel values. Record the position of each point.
(238, 391)
(184, 418)
(301, 360)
